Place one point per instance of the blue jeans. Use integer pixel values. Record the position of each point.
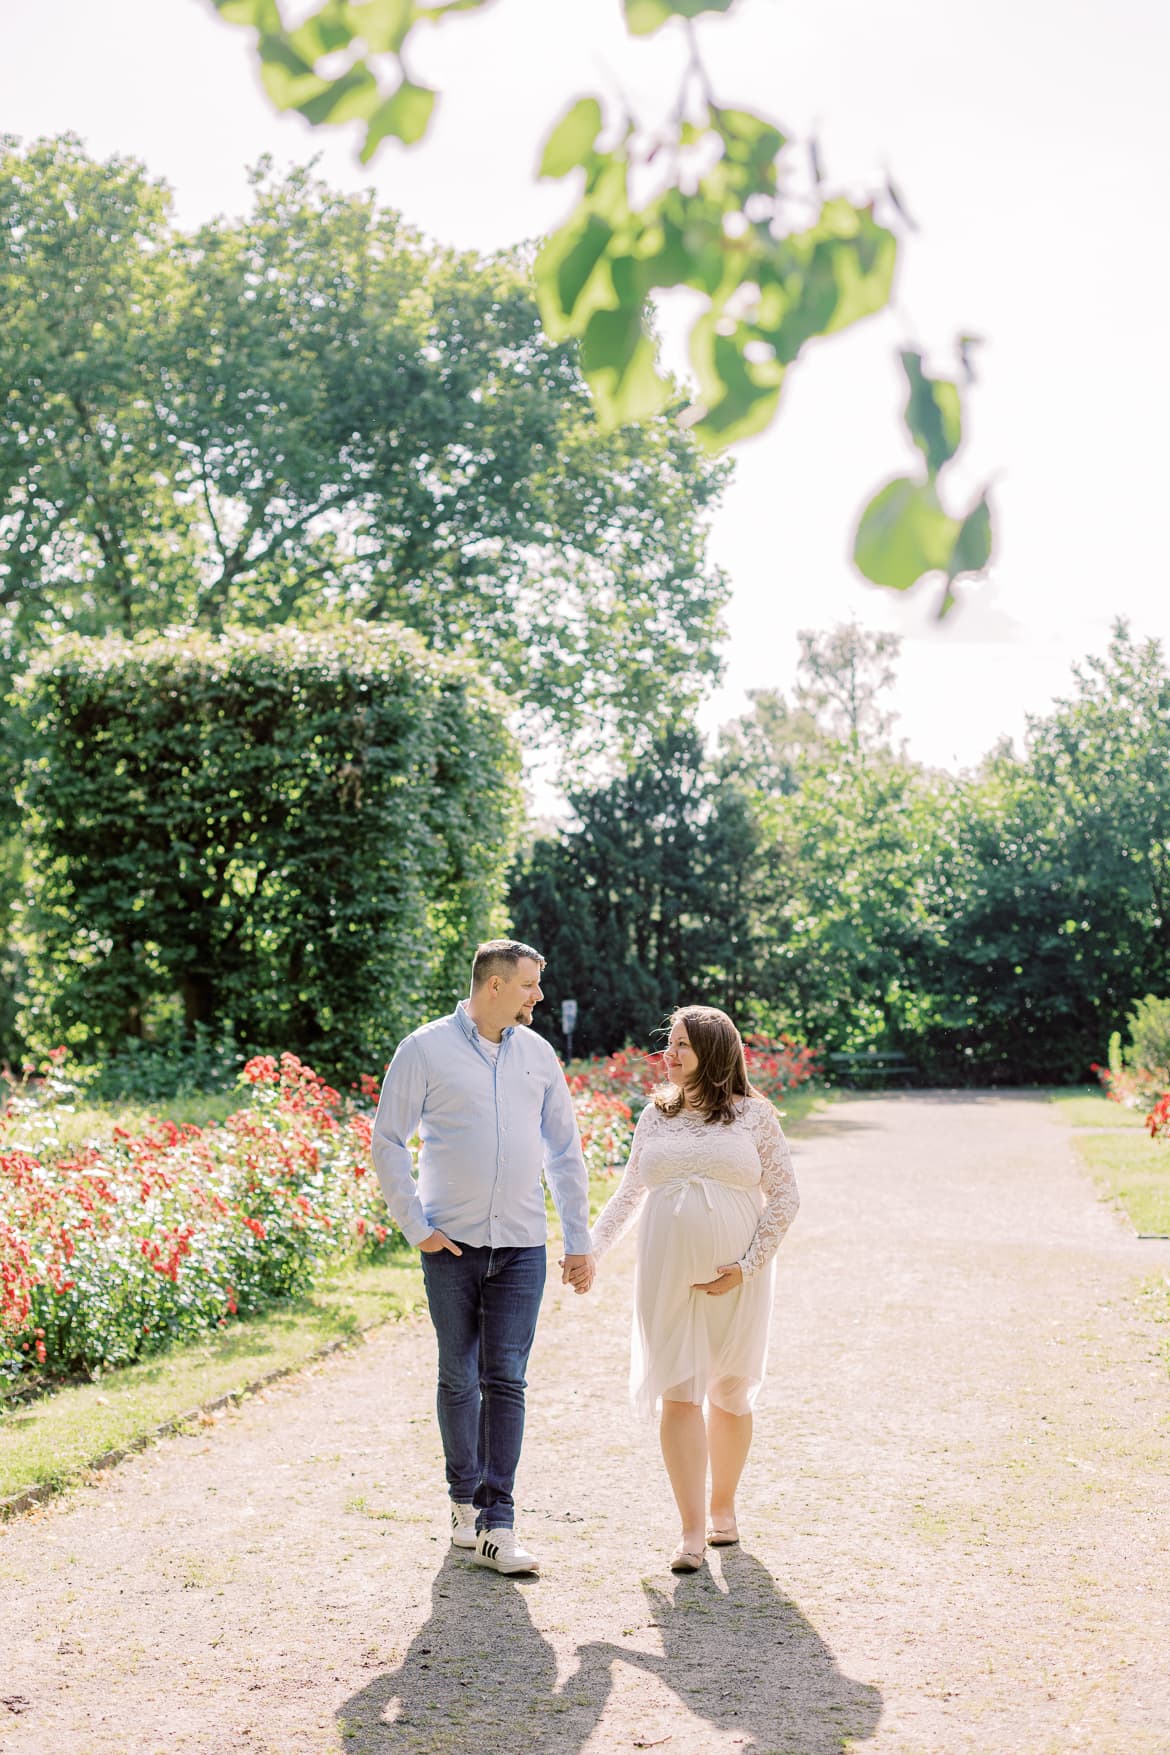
(484, 1304)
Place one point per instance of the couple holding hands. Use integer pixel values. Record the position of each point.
(709, 1182)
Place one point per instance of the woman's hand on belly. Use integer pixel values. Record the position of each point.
(728, 1279)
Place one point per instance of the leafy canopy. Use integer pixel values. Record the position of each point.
(310, 414)
(646, 902)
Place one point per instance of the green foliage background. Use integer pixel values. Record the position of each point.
(329, 486)
(994, 927)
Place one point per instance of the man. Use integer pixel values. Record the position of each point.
(489, 1100)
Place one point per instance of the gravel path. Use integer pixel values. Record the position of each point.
(956, 1518)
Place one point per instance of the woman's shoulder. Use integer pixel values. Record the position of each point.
(758, 1109)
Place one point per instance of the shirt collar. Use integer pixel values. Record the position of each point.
(467, 1024)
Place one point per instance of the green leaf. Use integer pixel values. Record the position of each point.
(287, 77)
(864, 273)
(972, 550)
(571, 141)
(264, 14)
(933, 413)
(406, 115)
(740, 396)
(564, 269)
(384, 25)
(572, 276)
(435, 13)
(353, 97)
(617, 357)
(321, 33)
(747, 138)
(904, 533)
(643, 17)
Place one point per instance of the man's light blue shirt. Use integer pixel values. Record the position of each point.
(488, 1130)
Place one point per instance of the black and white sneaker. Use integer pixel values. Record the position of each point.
(462, 1525)
(500, 1550)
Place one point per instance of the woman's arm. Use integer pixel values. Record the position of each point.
(781, 1197)
(621, 1210)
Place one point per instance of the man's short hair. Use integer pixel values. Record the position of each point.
(499, 956)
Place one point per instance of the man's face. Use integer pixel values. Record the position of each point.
(519, 993)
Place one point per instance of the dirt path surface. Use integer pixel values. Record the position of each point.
(956, 1518)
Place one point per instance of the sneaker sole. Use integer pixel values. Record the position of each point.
(464, 1541)
(529, 1571)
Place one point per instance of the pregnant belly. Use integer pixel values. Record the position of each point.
(695, 1227)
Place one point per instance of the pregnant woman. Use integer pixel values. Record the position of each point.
(710, 1183)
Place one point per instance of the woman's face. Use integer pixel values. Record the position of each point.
(682, 1063)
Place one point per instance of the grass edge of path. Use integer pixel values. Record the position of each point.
(53, 1441)
(1130, 1171)
(1128, 1168)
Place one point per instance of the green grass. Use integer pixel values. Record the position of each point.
(1133, 1170)
(1088, 1106)
(1126, 1164)
(52, 1439)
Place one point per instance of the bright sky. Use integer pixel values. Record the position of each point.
(1028, 139)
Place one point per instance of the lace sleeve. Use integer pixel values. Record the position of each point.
(781, 1198)
(621, 1209)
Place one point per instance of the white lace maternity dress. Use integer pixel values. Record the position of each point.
(707, 1194)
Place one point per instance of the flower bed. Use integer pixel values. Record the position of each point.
(117, 1248)
(1158, 1120)
(1138, 1088)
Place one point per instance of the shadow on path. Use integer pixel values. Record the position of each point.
(479, 1679)
(746, 1660)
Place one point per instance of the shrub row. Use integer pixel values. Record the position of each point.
(283, 836)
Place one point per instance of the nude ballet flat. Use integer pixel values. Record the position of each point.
(685, 1560)
(723, 1536)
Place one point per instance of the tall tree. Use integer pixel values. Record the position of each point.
(841, 674)
(1104, 758)
(310, 414)
(769, 745)
(87, 530)
(646, 902)
(847, 911)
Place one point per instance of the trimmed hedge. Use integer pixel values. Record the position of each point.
(292, 836)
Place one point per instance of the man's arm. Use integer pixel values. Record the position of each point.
(400, 1108)
(564, 1169)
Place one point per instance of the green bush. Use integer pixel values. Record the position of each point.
(177, 1063)
(1149, 1035)
(287, 836)
(1147, 1052)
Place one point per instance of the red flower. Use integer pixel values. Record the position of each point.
(261, 1070)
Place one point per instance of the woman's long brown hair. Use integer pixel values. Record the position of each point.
(721, 1077)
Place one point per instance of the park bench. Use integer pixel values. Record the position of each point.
(874, 1066)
